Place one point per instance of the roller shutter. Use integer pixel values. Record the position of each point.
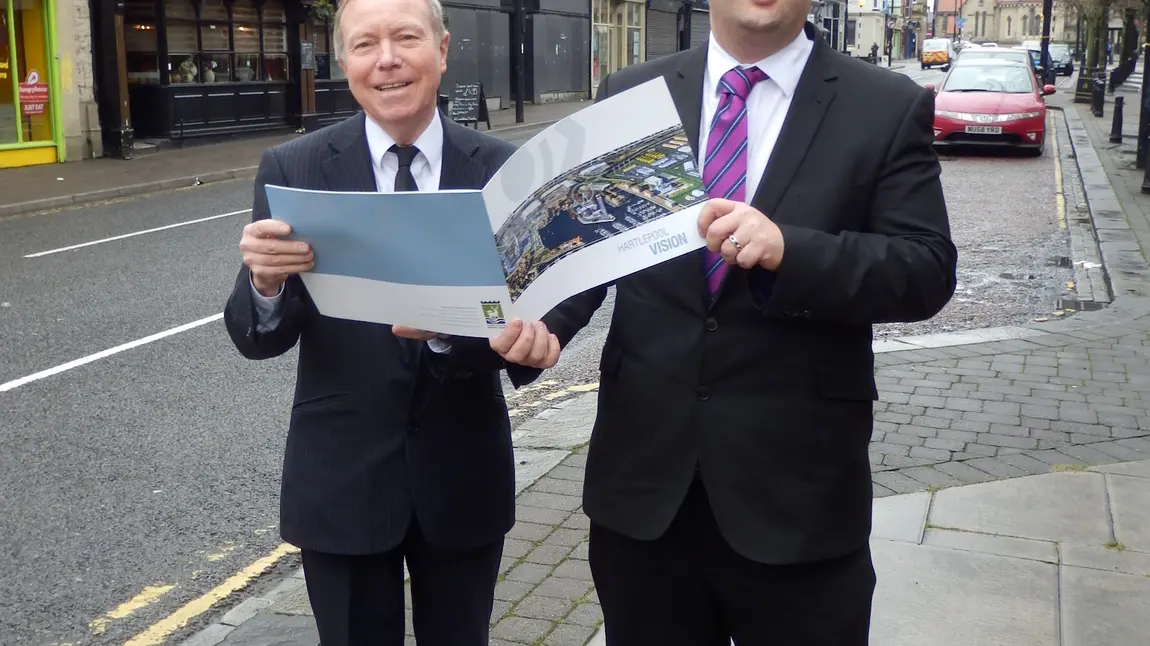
(700, 27)
(662, 33)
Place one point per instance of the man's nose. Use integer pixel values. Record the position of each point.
(388, 57)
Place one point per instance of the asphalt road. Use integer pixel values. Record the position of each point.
(1004, 221)
(155, 470)
(156, 466)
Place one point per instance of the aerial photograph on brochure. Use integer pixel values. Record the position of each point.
(604, 197)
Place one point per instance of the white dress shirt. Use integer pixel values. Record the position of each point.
(767, 104)
(426, 168)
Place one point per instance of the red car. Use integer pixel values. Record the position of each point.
(988, 102)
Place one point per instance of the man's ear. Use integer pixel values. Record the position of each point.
(443, 49)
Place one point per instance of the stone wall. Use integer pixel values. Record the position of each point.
(77, 84)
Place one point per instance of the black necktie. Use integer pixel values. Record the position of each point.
(404, 180)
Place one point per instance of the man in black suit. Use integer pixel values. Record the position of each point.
(728, 480)
(399, 447)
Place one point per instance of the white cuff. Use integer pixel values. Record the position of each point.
(439, 345)
(268, 312)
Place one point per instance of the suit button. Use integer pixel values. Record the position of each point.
(703, 393)
(711, 324)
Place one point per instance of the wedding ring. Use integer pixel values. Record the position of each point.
(735, 241)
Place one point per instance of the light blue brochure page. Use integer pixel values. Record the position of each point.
(441, 239)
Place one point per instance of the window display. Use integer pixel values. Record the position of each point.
(25, 98)
(220, 43)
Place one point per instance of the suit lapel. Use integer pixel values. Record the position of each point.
(459, 170)
(685, 85)
(349, 166)
(813, 96)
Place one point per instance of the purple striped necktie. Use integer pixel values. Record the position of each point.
(725, 164)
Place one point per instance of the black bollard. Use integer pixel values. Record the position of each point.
(1146, 179)
(1116, 126)
(1098, 95)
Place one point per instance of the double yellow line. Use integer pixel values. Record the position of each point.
(161, 630)
(1059, 195)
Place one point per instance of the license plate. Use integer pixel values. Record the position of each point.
(984, 130)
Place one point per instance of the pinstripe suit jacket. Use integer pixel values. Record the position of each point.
(381, 428)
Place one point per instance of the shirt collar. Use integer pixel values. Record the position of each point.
(429, 143)
(784, 67)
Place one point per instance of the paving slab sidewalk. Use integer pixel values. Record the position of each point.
(38, 188)
(1000, 409)
(1103, 198)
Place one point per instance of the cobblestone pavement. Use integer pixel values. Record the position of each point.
(972, 413)
(954, 409)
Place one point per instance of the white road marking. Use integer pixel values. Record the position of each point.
(103, 354)
(137, 233)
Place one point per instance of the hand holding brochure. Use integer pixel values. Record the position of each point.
(606, 192)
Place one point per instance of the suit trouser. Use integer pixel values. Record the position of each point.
(359, 600)
(690, 588)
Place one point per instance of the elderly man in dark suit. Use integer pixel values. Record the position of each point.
(728, 481)
(399, 445)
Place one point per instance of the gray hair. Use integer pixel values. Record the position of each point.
(433, 7)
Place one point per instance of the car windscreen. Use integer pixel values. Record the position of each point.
(997, 78)
(1001, 54)
(1059, 51)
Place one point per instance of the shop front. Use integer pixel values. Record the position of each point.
(617, 37)
(179, 70)
(207, 67)
(30, 131)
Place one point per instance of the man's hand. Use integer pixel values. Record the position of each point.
(527, 344)
(760, 240)
(270, 259)
(412, 333)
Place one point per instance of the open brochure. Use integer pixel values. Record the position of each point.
(606, 192)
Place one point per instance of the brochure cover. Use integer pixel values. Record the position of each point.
(606, 192)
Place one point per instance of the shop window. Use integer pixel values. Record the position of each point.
(183, 42)
(9, 122)
(141, 42)
(25, 102)
(634, 33)
(214, 42)
(601, 41)
(274, 24)
(326, 63)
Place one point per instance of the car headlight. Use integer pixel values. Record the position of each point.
(986, 118)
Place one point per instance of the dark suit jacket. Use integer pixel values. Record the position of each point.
(380, 426)
(769, 389)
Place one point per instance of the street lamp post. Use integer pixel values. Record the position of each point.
(520, 56)
(1047, 10)
(886, 44)
(1144, 110)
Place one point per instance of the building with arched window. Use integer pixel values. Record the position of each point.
(1012, 22)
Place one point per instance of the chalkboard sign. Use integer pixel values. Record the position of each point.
(307, 55)
(469, 105)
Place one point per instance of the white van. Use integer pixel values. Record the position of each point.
(936, 51)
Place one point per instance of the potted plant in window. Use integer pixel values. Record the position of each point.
(321, 11)
(188, 70)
